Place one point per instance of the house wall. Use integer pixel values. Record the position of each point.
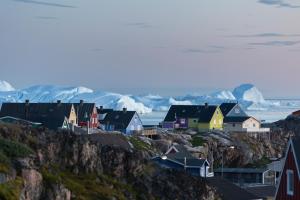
(216, 122)
(193, 123)
(203, 126)
(182, 123)
(168, 125)
(72, 119)
(94, 119)
(251, 123)
(237, 111)
(134, 125)
(282, 190)
(234, 127)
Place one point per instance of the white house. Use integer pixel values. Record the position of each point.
(243, 124)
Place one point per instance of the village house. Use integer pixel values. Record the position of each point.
(201, 117)
(51, 115)
(127, 122)
(236, 120)
(289, 181)
(178, 158)
(87, 114)
(244, 124)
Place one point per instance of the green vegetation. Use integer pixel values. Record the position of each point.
(13, 149)
(9, 150)
(139, 144)
(88, 186)
(197, 141)
(11, 190)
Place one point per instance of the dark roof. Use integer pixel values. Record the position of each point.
(201, 112)
(227, 107)
(192, 162)
(181, 154)
(120, 119)
(84, 109)
(241, 170)
(235, 119)
(262, 191)
(184, 153)
(104, 110)
(51, 115)
(230, 191)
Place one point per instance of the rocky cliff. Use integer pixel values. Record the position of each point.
(39, 164)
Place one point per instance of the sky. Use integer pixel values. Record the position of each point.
(152, 46)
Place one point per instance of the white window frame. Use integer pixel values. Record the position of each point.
(289, 188)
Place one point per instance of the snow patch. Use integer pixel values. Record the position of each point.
(248, 92)
(6, 87)
(131, 104)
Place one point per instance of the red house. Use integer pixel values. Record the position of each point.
(289, 182)
(86, 114)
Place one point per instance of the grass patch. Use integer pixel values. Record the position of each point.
(11, 190)
(4, 168)
(13, 149)
(89, 186)
(139, 144)
(197, 141)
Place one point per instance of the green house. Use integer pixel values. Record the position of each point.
(200, 117)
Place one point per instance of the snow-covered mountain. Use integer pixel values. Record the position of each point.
(247, 95)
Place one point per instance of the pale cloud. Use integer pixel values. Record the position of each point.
(43, 3)
(280, 3)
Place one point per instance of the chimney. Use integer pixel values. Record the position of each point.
(26, 108)
(206, 105)
(124, 110)
(81, 102)
(58, 102)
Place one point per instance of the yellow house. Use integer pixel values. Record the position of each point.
(210, 118)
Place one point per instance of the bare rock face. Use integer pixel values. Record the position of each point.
(33, 185)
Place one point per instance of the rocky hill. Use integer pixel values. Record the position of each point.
(37, 164)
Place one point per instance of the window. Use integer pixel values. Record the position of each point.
(254, 125)
(182, 121)
(290, 182)
(237, 110)
(233, 124)
(220, 121)
(215, 122)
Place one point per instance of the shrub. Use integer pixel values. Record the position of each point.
(13, 149)
(197, 141)
(11, 190)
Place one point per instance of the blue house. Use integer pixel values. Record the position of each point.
(127, 122)
(178, 158)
